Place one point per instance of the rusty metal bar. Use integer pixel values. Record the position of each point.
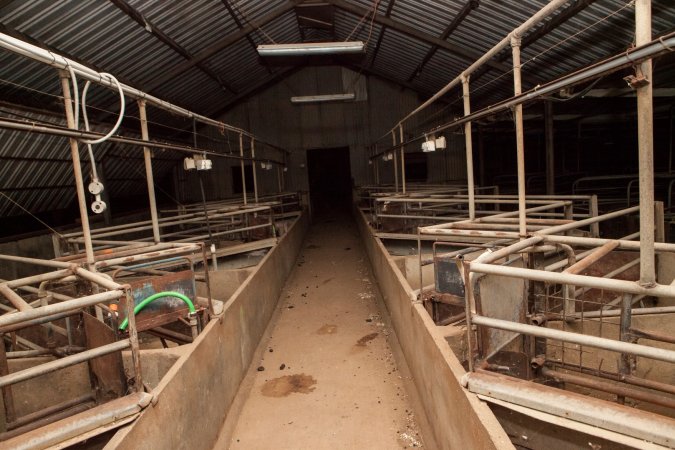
(7, 396)
(651, 335)
(520, 133)
(243, 171)
(57, 308)
(603, 386)
(645, 118)
(577, 338)
(133, 341)
(14, 298)
(255, 176)
(36, 371)
(77, 167)
(393, 137)
(37, 415)
(592, 258)
(468, 142)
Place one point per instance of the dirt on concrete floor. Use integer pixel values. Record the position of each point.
(326, 377)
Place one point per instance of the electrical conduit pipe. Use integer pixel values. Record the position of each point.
(154, 297)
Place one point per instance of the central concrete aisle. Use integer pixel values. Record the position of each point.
(326, 377)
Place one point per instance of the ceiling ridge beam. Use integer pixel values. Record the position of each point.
(224, 43)
(153, 29)
(274, 78)
(388, 78)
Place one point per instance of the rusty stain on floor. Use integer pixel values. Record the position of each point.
(365, 339)
(288, 384)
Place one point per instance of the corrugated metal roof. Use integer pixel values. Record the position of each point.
(101, 34)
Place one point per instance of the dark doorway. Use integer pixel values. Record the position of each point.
(416, 166)
(330, 182)
(236, 178)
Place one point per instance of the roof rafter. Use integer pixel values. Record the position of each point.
(240, 25)
(139, 18)
(417, 34)
(224, 43)
(469, 6)
(542, 31)
(390, 6)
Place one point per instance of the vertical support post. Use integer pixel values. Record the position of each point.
(469, 306)
(520, 140)
(393, 144)
(77, 170)
(283, 172)
(255, 177)
(243, 170)
(147, 157)
(376, 163)
(7, 396)
(645, 118)
(468, 142)
(550, 153)
(400, 136)
(660, 224)
(593, 210)
(279, 178)
(626, 361)
(133, 339)
(481, 157)
(670, 139)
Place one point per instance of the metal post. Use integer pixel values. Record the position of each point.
(550, 155)
(147, 157)
(255, 177)
(645, 118)
(7, 396)
(243, 171)
(520, 141)
(393, 138)
(626, 360)
(133, 339)
(77, 169)
(377, 167)
(481, 157)
(469, 305)
(593, 210)
(400, 133)
(469, 149)
(659, 222)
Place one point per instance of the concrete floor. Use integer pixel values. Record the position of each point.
(326, 377)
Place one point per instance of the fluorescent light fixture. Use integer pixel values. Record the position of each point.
(323, 98)
(311, 48)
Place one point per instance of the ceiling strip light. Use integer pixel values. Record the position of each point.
(311, 48)
(323, 98)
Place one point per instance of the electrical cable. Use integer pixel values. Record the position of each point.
(86, 119)
(32, 215)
